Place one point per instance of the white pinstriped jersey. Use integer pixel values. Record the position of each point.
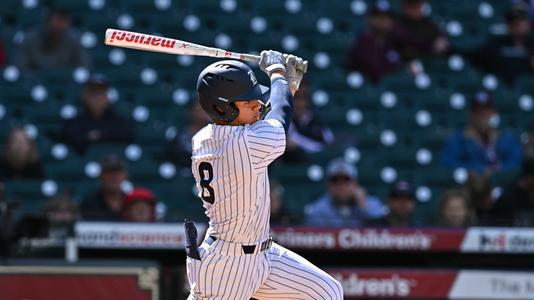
(229, 164)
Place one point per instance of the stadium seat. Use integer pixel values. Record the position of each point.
(26, 192)
(68, 171)
(297, 196)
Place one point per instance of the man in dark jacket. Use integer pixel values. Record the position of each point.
(98, 122)
(417, 35)
(106, 203)
(516, 204)
(373, 53)
(55, 44)
(512, 54)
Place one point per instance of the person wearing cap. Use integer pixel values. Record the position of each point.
(98, 122)
(105, 203)
(139, 206)
(516, 204)
(401, 206)
(346, 203)
(480, 147)
(416, 35)
(373, 53)
(511, 55)
(52, 45)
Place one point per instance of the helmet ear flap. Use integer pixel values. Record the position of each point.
(218, 110)
(227, 113)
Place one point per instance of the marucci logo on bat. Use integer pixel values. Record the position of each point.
(141, 39)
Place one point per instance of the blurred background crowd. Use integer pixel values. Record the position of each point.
(414, 113)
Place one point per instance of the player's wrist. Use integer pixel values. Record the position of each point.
(277, 74)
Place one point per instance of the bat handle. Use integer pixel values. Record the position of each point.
(256, 59)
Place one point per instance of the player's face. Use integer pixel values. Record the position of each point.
(249, 112)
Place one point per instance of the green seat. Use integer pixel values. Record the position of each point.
(152, 134)
(95, 152)
(432, 138)
(70, 170)
(426, 212)
(290, 174)
(331, 79)
(297, 196)
(369, 171)
(366, 98)
(73, 6)
(179, 197)
(144, 170)
(400, 82)
(435, 175)
(524, 84)
(27, 192)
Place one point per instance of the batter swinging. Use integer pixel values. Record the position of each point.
(237, 259)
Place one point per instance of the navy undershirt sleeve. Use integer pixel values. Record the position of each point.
(281, 102)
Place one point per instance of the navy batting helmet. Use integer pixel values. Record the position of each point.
(222, 83)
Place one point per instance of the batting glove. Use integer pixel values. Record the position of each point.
(272, 61)
(295, 66)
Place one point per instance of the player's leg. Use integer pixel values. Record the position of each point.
(293, 277)
(220, 277)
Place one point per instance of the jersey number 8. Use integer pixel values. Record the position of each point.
(204, 167)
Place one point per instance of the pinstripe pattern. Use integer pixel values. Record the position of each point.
(293, 277)
(239, 156)
(274, 274)
(239, 215)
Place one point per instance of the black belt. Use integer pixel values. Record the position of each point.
(247, 249)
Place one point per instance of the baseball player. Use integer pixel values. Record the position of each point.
(238, 259)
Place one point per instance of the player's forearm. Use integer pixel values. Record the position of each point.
(281, 101)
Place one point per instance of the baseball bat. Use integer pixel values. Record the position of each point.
(154, 43)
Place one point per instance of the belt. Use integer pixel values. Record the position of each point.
(247, 249)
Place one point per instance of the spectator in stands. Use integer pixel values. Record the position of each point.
(139, 206)
(98, 123)
(3, 55)
(416, 35)
(479, 189)
(510, 55)
(105, 204)
(180, 147)
(279, 214)
(346, 203)
(401, 205)
(373, 53)
(53, 221)
(55, 44)
(61, 212)
(20, 158)
(455, 209)
(306, 133)
(480, 147)
(516, 204)
(528, 142)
